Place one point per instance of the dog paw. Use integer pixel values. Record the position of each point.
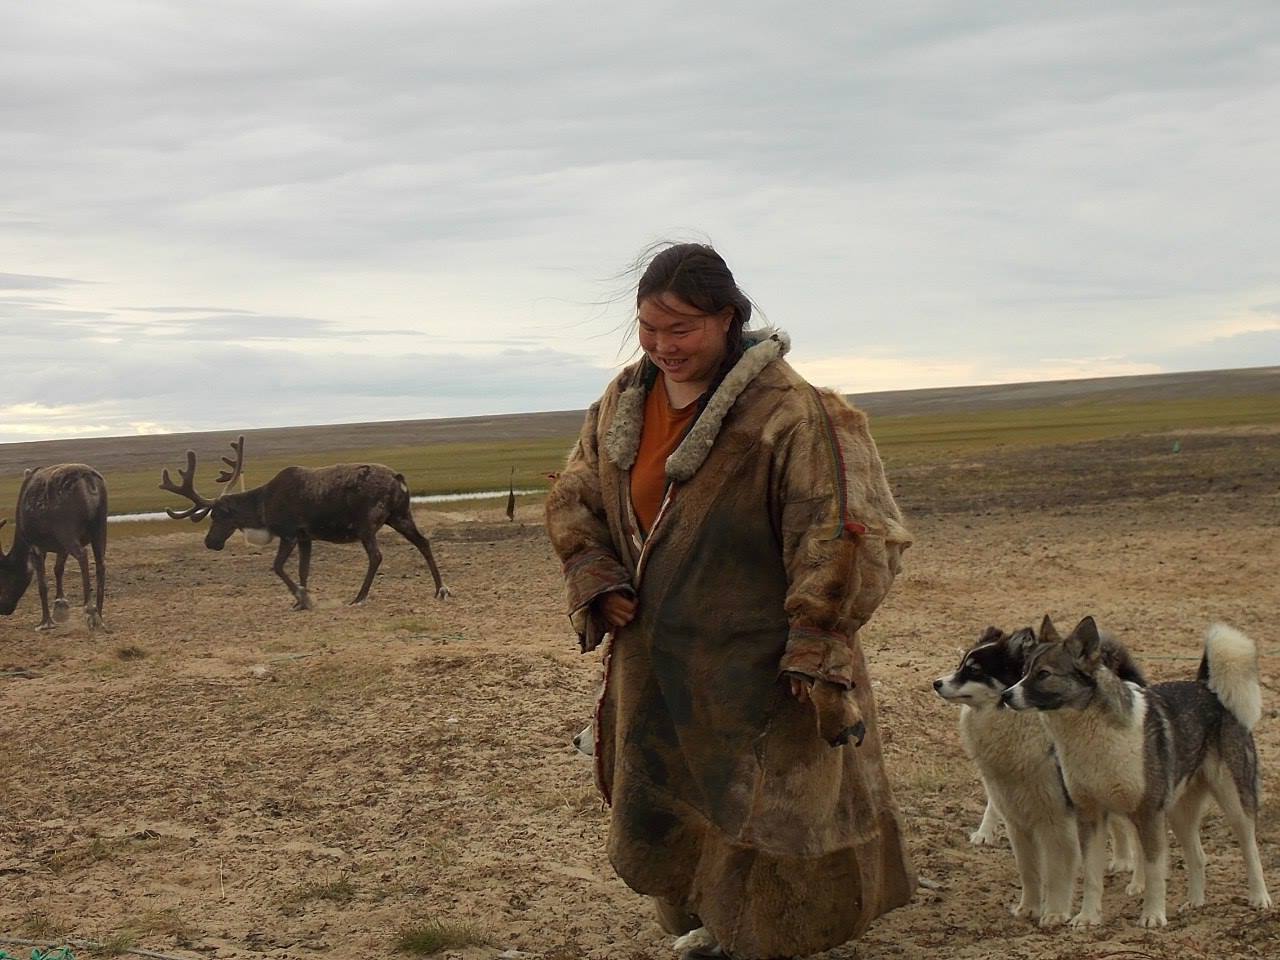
(984, 838)
(1155, 918)
(1054, 919)
(1260, 900)
(1135, 888)
(1191, 903)
(1119, 865)
(1023, 909)
(1091, 918)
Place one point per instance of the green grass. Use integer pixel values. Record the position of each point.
(917, 439)
(433, 936)
(473, 467)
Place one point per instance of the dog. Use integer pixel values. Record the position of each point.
(1015, 759)
(1151, 753)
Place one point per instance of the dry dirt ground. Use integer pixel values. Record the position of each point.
(221, 777)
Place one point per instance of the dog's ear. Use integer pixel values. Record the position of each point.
(1122, 664)
(1048, 632)
(991, 635)
(1022, 641)
(1084, 642)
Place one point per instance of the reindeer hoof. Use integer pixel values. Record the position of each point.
(442, 592)
(61, 610)
(303, 602)
(358, 602)
(95, 621)
(45, 625)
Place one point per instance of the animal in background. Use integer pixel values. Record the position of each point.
(343, 503)
(61, 510)
(1151, 754)
(1019, 771)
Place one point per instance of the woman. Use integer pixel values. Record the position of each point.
(732, 529)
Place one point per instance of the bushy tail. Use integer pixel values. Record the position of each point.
(1230, 669)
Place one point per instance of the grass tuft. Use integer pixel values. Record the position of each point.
(39, 925)
(432, 936)
(341, 890)
(131, 652)
(116, 944)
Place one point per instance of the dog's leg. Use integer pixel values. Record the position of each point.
(1060, 847)
(1184, 818)
(1127, 854)
(1026, 853)
(988, 832)
(1155, 864)
(1243, 826)
(1122, 858)
(1093, 848)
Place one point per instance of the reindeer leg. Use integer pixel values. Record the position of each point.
(46, 622)
(90, 614)
(409, 530)
(61, 609)
(304, 561)
(300, 599)
(370, 541)
(100, 571)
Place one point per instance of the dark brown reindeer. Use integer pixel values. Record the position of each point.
(338, 504)
(61, 510)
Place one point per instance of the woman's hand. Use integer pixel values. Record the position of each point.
(617, 608)
(801, 686)
(838, 715)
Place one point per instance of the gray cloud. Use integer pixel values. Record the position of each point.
(118, 386)
(19, 281)
(935, 180)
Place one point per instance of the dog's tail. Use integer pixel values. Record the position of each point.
(1230, 669)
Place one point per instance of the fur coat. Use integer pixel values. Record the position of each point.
(774, 545)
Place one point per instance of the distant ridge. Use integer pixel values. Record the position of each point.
(109, 453)
(1199, 384)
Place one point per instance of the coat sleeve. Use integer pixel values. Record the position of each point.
(579, 533)
(842, 538)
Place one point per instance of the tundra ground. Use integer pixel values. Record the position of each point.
(222, 777)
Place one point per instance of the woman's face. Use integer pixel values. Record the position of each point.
(684, 343)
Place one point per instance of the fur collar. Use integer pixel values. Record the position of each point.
(623, 438)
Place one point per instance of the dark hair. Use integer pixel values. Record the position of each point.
(699, 276)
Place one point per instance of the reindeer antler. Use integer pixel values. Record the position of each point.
(228, 477)
(202, 505)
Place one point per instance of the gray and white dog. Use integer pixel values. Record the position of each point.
(1151, 753)
(1015, 759)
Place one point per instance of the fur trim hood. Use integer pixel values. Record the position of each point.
(622, 441)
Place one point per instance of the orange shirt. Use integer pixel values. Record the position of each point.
(664, 428)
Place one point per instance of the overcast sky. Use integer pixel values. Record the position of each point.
(247, 214)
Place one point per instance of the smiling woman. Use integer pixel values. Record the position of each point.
(727, 529)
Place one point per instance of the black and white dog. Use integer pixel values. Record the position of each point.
(1015, 758)
(1151, 753)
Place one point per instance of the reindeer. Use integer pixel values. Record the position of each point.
(61, 509)
(338, 504)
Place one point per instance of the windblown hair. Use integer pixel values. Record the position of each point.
(698, 275)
